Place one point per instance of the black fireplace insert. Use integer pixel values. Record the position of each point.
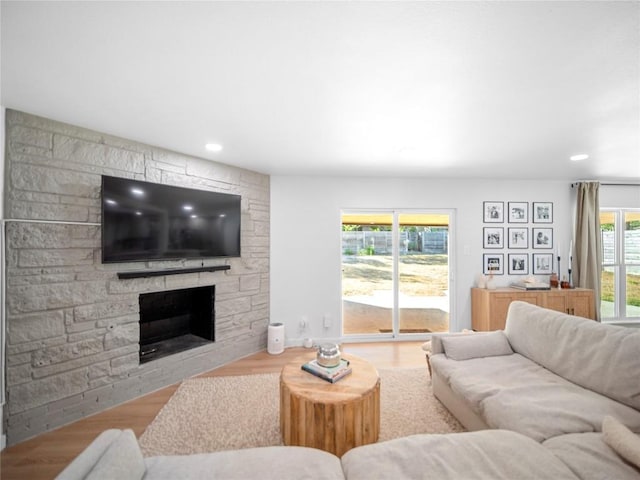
(176, 320)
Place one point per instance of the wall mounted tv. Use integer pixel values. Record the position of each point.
(148, 221)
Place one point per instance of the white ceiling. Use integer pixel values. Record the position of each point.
(438, 89)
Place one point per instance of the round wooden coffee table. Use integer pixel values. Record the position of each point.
(334, 417)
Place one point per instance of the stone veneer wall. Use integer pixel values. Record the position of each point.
(72, 325)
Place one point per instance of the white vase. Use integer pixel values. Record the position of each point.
(491, 284)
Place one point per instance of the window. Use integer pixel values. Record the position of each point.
(620, 296)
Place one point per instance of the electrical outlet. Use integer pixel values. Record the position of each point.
(326, 320)
(303, 323)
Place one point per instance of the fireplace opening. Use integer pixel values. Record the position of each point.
(176, 320)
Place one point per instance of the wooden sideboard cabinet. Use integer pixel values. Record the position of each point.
(489, 307)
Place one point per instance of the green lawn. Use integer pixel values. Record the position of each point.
(633, 288)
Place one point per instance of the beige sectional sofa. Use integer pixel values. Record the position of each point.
(537, 394)
(492, 454)
(548, 376)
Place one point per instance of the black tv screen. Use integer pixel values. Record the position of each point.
(148, 221)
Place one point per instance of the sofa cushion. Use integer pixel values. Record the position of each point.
(464, 347)
(622, 440)
(511, 392)
(80, 467)
(122, 460)
(436, 339)
(589, 457)
(602, 358)
(488, 454)
(277, 463)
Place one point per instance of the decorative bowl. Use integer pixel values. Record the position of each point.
(328, 355)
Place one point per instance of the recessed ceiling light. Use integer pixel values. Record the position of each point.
(188, 208)
(213, 147)
(577, 158)
(194, 216)
(111, 202)
(137, 191)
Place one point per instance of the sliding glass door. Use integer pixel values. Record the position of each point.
(395, 273)
(367, 273)
(423, 273)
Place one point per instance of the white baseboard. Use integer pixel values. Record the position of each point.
(299, 342)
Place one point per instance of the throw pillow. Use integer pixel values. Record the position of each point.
(621, 439)
(465, 347)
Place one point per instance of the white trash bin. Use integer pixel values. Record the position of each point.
(275, 338)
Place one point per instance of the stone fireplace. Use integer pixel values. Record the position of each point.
(176, 320)
(72, 322)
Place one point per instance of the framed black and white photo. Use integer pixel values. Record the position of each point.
(542, 212)
(518, 264)
(518, 237)
(493, 237)
(542, 263)
(493, 264)
(542, 237)
(518, 212)
(493, 212)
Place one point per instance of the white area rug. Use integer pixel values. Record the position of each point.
(226, 413)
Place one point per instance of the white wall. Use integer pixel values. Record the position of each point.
(619, 196)
(305, 237)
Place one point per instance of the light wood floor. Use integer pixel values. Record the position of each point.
(45, 456)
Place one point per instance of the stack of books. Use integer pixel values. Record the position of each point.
(530, 286)
(330, 374)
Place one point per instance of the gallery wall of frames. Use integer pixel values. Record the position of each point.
(517, 238)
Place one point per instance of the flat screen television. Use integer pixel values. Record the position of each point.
(148, 221)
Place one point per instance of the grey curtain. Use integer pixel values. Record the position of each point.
(587, 257)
